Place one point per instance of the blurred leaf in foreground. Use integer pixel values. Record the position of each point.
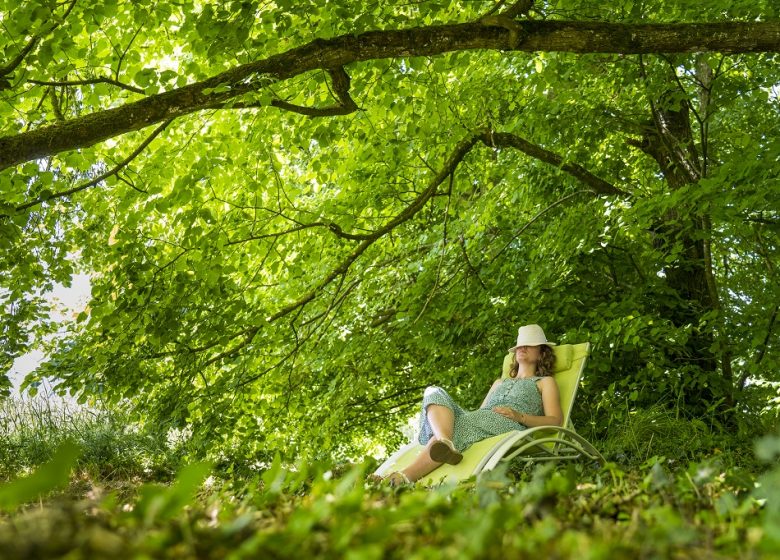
(48, 477)
(160, 503)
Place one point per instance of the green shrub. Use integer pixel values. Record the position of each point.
(655, 431)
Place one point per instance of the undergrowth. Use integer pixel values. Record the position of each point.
(672, 489)
(547, 511)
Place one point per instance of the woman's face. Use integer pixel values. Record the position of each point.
(527, 354)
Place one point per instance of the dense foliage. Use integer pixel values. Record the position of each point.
(297, 215)
(698, 510)
(284, 267)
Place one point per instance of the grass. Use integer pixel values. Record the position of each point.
(546, 511)
(655, 504)
(655, 431)
(112, 445)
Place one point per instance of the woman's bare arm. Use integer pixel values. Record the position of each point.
(551, 403)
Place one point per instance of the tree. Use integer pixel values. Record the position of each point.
(331, 183)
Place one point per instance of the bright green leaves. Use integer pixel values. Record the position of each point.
(146, 78)
(237, 285)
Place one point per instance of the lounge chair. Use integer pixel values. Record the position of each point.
(543, 443)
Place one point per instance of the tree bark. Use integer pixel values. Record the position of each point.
(561, 36)
(671, 143)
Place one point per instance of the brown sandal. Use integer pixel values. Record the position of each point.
(443, 451)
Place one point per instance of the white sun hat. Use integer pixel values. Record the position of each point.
(531, 335)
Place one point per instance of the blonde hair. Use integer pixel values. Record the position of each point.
(545, 365)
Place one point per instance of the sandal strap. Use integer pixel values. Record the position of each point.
(448, 442)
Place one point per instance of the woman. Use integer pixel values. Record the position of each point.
(527, 399)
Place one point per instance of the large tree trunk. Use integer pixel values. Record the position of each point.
(671, 143)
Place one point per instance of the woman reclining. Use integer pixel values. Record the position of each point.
(528, 398)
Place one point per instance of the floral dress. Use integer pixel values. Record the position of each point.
(519, 394)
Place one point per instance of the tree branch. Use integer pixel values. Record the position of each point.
(489, 138)
(341, 84)
(532, 220)
(86, 82)
(27, 49)
(460, 151)
(116, 169)
(457, 156)
(13, 64)
(335, 228)
(561, 36)
(474, 271)
(506, 139)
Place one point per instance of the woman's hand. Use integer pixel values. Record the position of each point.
(508, 412)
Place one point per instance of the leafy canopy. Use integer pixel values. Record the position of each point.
(283, 258)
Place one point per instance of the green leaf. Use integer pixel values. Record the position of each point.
(768, 448)
(51, 476)
(158, 503)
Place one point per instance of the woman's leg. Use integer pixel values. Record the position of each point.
(437, 423)
(437, 417)
(441, 420)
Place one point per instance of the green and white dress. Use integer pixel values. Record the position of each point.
(519, 394)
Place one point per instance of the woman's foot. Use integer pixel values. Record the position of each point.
(443, 451)
(395, 479)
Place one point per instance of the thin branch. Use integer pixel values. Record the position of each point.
(341, 83)
(441, 258)
(332, 111)
(596, 184)
(681, 86)
(337, 301)
(459, 153)
(130, 184)
(88, 81)
(27, 49)
(531, 222)
(363, 403)
(11, 66)
(248, 334)
(102, 177)
(474, 271)
(401, 408)
(124, 53)
(335, 228)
